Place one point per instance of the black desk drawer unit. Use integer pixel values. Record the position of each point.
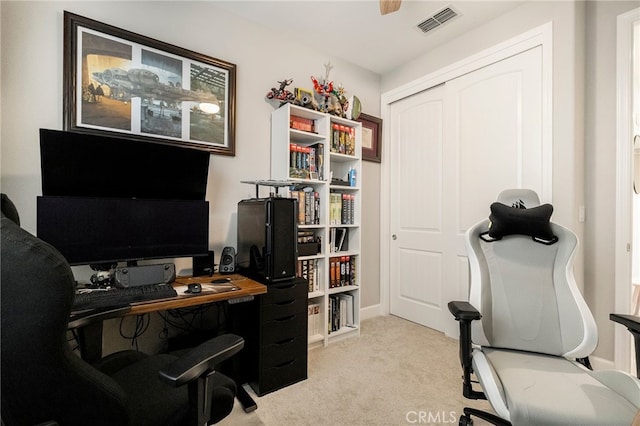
(275, 353)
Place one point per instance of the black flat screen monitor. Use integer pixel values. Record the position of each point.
(85, 165)
(97, 231)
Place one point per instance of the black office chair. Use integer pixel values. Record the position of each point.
(43, 381)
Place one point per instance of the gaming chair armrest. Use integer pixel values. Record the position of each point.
(196, 369)
(82, 319)
(201, 359)
(632, 323)
(464, 312)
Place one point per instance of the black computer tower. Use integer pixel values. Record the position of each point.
(267, 238)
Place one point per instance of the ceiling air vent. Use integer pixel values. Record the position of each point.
(437, 19)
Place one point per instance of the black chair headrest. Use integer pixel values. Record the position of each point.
(9, 209)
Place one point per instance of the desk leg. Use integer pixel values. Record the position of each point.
(90, 341)
(248, 404)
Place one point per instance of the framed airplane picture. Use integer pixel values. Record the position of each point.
(124, 84)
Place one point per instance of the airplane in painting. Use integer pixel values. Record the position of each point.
(137, 82)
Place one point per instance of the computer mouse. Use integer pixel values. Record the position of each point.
(194, 288)
(221, 281)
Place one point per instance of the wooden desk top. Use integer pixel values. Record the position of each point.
(247, 287)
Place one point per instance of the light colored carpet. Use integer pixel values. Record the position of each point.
(395, 373)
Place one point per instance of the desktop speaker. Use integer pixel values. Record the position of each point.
(228, 261)
(203, 265)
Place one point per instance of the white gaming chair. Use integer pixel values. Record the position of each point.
(526, 331)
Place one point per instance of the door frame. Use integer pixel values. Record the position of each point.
(624, 224)
(539, 36)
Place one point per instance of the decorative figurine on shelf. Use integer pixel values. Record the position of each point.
(354, 109)
(304, 98)
(324, 90)
(342, 104)
(281, 94)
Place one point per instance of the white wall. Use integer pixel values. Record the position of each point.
(601, 164)
(580, 30)
(31, 87)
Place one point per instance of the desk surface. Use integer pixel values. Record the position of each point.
(247, 287)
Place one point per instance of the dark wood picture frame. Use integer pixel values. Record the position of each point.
(119, 83)
(371, 138)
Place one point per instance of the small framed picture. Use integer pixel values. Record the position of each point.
(371, 137)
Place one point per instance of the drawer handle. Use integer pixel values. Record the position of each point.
(286, 364)
(288, 302)
(289, 318)
(285, 341)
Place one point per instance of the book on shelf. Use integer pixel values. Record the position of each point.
(332, 310)
(318, 149)
(346, 309)
(314, 321)
(344, 209)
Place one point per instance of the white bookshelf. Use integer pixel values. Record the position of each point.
(335, 164)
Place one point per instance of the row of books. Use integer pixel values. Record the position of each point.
(306, 162)
(308, 269)
(308, 205)
(315, 320)
(342, 271)
(341, 311)
(342, 208)
(343, 139)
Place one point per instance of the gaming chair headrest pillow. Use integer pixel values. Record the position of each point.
(534, 222)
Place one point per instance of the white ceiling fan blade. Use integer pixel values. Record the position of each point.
(389, 6)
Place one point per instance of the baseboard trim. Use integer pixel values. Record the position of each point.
(370, 312)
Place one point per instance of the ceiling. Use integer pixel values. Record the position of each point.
(354, 30)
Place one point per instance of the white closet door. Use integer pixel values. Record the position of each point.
(454, 148)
